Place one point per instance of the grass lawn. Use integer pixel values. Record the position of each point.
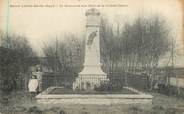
(167, 101)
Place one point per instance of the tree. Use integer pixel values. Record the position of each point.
(110, 47)
(65, 57)
(137, 46)
(144, 43)
(15, 56)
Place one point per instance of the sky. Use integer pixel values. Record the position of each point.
(44, 24)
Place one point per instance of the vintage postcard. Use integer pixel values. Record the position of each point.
(91, 57)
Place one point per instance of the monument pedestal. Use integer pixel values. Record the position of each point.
(90, 78)
(88, 82)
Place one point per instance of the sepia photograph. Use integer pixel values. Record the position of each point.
(91, 57)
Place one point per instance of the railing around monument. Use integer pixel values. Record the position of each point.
(137, 81)
(122, 79)
(57, 80)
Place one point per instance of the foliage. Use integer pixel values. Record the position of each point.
(145, 41)
(109, 86)
(135, 47)
(34, 110)
(15, 56)
(65, 56)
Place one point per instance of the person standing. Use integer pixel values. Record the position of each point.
(33, 86)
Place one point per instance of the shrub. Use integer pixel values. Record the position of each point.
(62, 112)
(134, 110)
(108, 86)
(34, 110)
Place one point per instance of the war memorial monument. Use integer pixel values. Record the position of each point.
(92, 76)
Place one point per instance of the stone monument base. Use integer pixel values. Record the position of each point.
(89, 81)
(94, 99)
